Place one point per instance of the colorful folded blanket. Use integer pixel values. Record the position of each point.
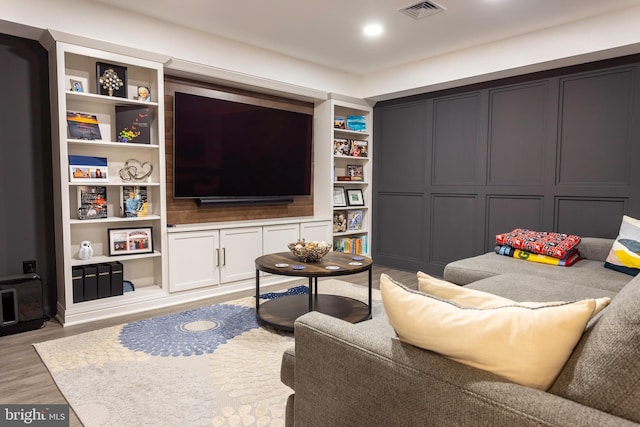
(556, 245)
(568, 261)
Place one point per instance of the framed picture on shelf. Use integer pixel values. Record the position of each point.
(133, 124)
(341, 147)
(76, 85)
(130, 241)
(339, 122)
(83, 126)
(88, 169)
(356, 172)
(339, 221)
(144, 93)
(111, 80)
(354, 220)
(354, 197)
(357, 123)
(92, 202)
(339, 197)
(135, 203)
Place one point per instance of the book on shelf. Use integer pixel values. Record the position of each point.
(88, 169)
(357, 123)
(357, 245)
(83, 126)
(92, 202)
(133, 124)
(354, 220)
(341, 147)
(135, 202)
(358, 148)
(356, 172)
(343, 178)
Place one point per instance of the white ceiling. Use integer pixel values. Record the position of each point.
(328, 32)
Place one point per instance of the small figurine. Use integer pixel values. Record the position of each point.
(86, 251)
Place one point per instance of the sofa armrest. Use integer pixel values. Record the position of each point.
(349, 374)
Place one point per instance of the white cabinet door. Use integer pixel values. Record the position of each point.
(320, 231)
(239, 249)
(193, 259)
(276, 237)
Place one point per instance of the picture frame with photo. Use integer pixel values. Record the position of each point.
(339, 197)
(339, 221)
(92, 202)
(135, 202)
(88, 169)
(144, 94)
(76, 85)
(355, 197)
(355, 172)
(130, 241)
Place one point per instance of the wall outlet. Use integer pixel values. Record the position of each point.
(29, 266)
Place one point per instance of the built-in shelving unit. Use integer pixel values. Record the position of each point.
(350, 171)
(74, 68)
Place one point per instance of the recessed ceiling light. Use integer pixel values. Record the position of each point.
(372, 30)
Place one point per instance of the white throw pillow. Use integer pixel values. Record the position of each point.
(527, 345)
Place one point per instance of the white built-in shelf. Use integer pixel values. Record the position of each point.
(104, 258)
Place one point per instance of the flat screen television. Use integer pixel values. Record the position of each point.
(233, 152)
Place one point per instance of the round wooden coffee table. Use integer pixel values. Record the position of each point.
(282, 312)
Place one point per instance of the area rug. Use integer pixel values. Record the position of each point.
(209, 366)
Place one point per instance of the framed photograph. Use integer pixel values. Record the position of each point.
(130, 241)
(339, 122)
(339, 221)
(358, 148)
(88, 169)
(144, 94)
(354, 197)
(76, 85)
(135, 203)
(339, 197)
(341, 147)
(111, 80)
(92, 202)
(356, 172)
(83, 126)
(354, 220)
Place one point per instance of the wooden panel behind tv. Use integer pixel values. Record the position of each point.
(186, 211)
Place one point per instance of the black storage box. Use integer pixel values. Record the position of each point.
(22, 307)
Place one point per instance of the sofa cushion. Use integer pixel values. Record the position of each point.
(585, 272)
(526, 345)
(468, 297)
(624, 255)
(602, 371)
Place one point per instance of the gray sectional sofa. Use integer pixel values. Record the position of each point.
(347, 374)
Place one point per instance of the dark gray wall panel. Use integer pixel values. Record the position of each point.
(455, 140)
(453, 231)
(596, 123)
(404, 219)
(590, 217)
(516, 135)
(403, 157)
(506, 213)
(554, 151)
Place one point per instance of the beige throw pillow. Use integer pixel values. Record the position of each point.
(527, 345)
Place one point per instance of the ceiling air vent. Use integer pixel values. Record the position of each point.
(422, 9)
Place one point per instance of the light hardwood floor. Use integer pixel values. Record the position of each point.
(25, 380)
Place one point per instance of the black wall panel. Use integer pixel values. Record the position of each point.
(400, 242)
(517, 125)
(595, 138)
(456, 137)
(552, 151)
